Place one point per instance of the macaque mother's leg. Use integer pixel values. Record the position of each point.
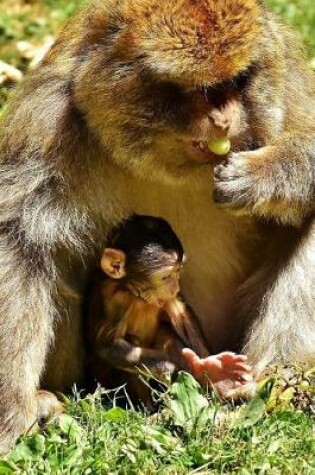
(65, 361)
(26, 316)
(283, 331)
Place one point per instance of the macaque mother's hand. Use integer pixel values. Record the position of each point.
(240, 183)
(257, 182)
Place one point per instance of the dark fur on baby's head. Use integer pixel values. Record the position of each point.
(149, 243)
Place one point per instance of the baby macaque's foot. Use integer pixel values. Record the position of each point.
(226, 366)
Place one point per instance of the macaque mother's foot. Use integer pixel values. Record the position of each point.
(48, 407)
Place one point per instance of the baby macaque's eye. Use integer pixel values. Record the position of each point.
(167, 277)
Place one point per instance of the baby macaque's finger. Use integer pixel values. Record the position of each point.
(227, 356)
(224, 366)
(222, 375)
(242, 358)
(190, 355)
(195, 363)
(192, 358)
(238, 373)
(242, 367)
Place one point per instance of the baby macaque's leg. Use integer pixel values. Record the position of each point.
(216, 369)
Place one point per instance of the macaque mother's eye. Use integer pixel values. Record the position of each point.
(164, 87)
(236, 83)
(165, 98)
(241, 81)
(169, 92)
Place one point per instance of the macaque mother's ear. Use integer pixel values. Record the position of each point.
(113, 263)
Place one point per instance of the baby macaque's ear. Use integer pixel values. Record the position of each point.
(113, 263)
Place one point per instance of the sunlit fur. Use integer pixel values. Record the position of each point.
(148, 56)
(104, 128)
(136, 320)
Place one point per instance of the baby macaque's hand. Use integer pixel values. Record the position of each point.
(216, 368)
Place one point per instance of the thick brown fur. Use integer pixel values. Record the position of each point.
(104, 128)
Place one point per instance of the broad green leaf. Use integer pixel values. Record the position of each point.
(116, 414)
(275, 446)
(251, 414)
(70, 427)
(7, 468)
(188, 406)
(68, 456)
(21, 452)
(37, 444)
(159, 439)
(29, 448)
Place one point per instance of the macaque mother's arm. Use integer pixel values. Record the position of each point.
(278, 179)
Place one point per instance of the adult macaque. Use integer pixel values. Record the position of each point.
(117, 120)
(137, 321)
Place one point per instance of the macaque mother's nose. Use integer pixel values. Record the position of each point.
(221, 119)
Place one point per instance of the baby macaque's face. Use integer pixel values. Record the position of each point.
(162, 287)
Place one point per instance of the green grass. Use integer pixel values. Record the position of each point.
(30, 21)
(189, 435)
(301, 15)
(33, 22)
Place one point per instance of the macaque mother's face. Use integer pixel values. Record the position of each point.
(175, 76)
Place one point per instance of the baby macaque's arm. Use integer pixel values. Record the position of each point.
(186, 326)
(217, 368)
(119, 353)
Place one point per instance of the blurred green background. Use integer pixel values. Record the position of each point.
(301, 15)
(27, 27)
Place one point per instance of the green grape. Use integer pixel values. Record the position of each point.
(220, 146)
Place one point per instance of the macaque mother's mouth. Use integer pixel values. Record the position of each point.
(212, 150)
(201, 146)
(218, 146)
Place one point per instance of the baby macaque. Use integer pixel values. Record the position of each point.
(137, 321)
